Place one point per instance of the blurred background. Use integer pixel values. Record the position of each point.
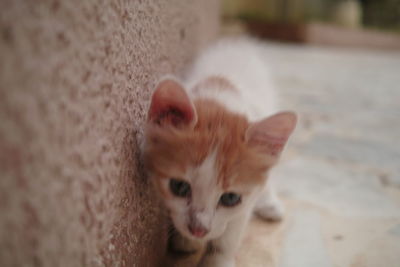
(340, 22)
(383, 14)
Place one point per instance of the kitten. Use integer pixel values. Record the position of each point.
(210, 143)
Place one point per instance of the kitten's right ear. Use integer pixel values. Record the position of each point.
(171, 105)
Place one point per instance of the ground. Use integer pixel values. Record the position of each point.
(340, 176)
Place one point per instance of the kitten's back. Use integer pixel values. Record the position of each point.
(239, 61)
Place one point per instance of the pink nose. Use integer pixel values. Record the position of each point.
(197, 231)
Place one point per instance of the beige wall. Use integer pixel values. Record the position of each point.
(75, 82)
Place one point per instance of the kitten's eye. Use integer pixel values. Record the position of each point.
(230, 199)
(179, 188)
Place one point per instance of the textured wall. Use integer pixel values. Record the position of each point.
(75, 81)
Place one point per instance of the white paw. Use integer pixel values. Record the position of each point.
(273, 211)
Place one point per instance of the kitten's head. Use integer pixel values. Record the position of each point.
(207, 162)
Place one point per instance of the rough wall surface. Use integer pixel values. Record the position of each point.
(75, 83)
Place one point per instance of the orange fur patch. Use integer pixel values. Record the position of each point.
(171, 150)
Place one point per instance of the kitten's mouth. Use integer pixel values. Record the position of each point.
(197, 231)
(195, 235)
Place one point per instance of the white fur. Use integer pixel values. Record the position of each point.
(239, 61)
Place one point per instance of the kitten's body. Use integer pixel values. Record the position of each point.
(240, 63)
(209, 148)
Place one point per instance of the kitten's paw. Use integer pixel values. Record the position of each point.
(271, 211)
(180, 244)
(217, 261)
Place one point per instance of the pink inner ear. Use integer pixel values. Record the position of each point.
(271, 134)
(171, 105)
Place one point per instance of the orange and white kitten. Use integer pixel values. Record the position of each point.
(210, 143)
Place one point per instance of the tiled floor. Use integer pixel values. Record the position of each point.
(340, 177)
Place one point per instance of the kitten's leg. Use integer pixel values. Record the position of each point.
(223, 250)
(268, 206)
(184, 252)
(181, 244)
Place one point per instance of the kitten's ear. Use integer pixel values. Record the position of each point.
(171, 105)
(271, 134)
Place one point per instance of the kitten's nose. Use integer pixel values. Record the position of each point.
(197, 230)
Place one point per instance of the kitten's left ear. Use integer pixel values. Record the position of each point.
(171, 105)
(271, 134)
